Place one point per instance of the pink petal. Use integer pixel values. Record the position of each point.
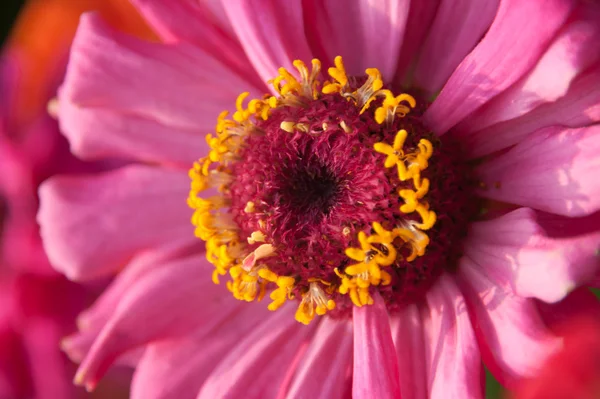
(203, 23)
(513, 340)
(409, 340)
(527, 250)
(128, 136)
(375, 365)
(515, 41)
(169, 301)
(326, 363)
(92, 225)
(100, 312)
(453, 362)
(572, 52)
(271, 33)
(50, 379)
(257, 366)
(177, 368)
(420, 18)
(580, 106)
(553, 169)
(456, 29)
(148, 100)
(373, 40)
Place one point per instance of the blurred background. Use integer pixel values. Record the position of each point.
(38, 307)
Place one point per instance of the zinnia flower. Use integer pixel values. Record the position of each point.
(416, 181)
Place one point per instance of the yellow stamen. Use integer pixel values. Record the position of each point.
(256, 236)
(249, 208)
(263, 251)
(393, 106)
(246, 285)
(339, 74)
(283, 292)
(287, 126)
(314, 302)
(345, 127)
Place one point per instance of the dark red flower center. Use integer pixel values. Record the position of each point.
(332, 195)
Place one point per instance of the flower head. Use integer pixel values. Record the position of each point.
(410, 237)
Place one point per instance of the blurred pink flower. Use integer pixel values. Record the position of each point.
(37, 306)
(516, 88)
(573, 372)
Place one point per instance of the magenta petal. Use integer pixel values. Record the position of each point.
(177, 368)
(554, 170)
(137, 110)
(50, 379)
(363, 45)
(326, 363)
(453, 360)
(271, 33)
(420, 17)
(523, 248)
(579, 303)
(203, 23)
(92, 225)
(572, 52)
(167, 302)
(147, 261)
(409, 339)
(375, 364)
(258, 365)
(580, 106)
(516, 40)
(513, 339)
(456, 29)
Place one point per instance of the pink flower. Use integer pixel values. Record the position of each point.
(413, 238)
(572, 372)
(37, 305)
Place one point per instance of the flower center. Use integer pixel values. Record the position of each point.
(329, 192)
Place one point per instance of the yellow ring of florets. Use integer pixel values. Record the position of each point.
(228, 253)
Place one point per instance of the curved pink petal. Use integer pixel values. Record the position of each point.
(515, 41)
(580, 106)
(96, 133)
(420, 18)
(529, 251)
(513, 340)
(110, 105)
(271, 33)
(258, 365)
(177, 368)
(375, 365)
(202, 23)
(554, 170)
(456, 29)
(409, 339)
(141, 264)
(92, 225)
(453, 360)
(367, 34)
(326, 363)
(167, 302)
(572, 52)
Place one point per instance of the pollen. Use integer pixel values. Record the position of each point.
(320, 195)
